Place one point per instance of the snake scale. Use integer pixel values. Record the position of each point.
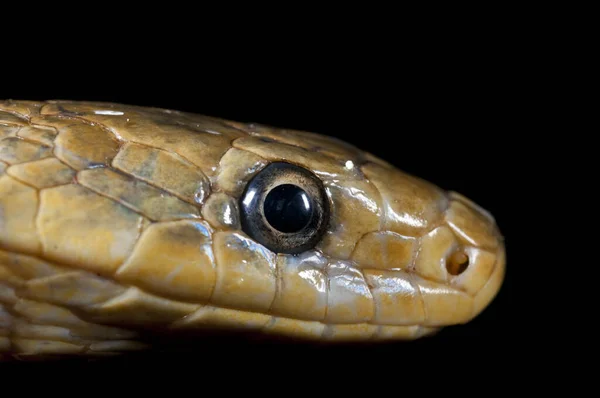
(118, 219)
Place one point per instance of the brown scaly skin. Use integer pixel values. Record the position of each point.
(116, 219)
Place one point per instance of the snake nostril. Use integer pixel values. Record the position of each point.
(457, 262)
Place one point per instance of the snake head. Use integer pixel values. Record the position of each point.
(118, 220)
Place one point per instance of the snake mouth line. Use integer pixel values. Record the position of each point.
(207, 316)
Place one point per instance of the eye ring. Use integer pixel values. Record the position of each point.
(285, 208)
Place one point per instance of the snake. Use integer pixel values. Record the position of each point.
(118, 220)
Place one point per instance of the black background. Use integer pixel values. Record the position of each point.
(453, 119)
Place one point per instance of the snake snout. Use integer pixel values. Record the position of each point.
(476, 263)
(459, 264)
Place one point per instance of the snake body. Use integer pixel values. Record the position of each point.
(115, 219)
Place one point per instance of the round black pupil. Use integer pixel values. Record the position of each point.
(288, 208)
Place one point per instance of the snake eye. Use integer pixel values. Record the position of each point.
(285, 208)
